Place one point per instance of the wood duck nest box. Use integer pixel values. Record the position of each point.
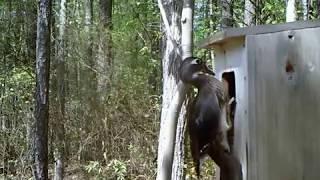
(274, 74)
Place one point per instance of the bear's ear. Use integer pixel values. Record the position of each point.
(198, 61)
(207, 70)
(193, 60)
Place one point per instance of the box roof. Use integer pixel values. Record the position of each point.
(233, 33)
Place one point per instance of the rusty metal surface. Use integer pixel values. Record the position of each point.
(284, 105)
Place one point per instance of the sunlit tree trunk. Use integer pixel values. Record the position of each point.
(249, 13)
(187, 49)
(42, 89)
(211, 25)
(173, 92)
(226, 13)
(59, 128)
(291, 11)
(318, 8)
(187, 28)
(305, 6)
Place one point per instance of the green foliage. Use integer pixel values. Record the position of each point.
(272, 12)
(114, 170)
(119, 169)
(117, 136)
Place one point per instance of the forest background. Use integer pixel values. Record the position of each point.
(106, 80)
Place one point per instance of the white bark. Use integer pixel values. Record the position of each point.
(178, 160)
(88, 15)
(187, 47)
(187, 28)
(305, 5)
(226, 16)
(211, 26)
(318, 8)
(173, 93)
(249, 12)
(291, 11)
(169, 116)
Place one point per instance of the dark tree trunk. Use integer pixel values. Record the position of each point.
(42, 89)
(103, 65)
(106, 13)
(104, 62)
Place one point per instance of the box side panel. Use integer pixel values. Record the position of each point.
(232, 57)
(284, 105)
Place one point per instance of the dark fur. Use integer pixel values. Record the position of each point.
(205, 111)
(230, 167)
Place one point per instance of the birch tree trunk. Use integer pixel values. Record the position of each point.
(187, 28)
(249, 13)
(305, 5)
(226, 13)
(42, 89)
(291, 11)
(318, 8)
(187, 49)
(211, 5)
(59, 128)
(173, 92)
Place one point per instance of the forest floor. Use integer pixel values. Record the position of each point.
(72, 172)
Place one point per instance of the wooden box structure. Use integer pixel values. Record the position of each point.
(274, 74)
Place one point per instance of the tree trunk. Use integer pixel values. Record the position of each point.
(249, 12)
(187, 28)
(103, 66)
(4, 117)
(318, 8)
(31, 28)
(104, 61)
(42, 89)
(187, 48)
(212, 19)
(178, 159)
(59, 128)
(291, 11)
(226, 13)
(173, 92)
(305, 5)
(89, 78)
